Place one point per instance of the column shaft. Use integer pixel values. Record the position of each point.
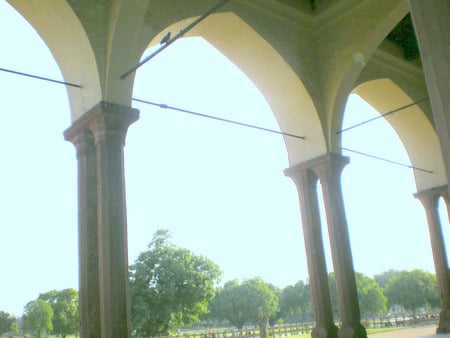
(88, 294)
(306, 182)
(102, 184)
(328, 169)
(429, 200)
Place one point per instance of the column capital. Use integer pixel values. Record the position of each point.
(103, 118)
(329, 166)
(302, 177)
(326, 167)
(429, 198)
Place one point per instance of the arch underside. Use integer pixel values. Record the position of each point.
(272, 69)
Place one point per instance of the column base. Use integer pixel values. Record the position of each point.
(444, 322)
(325, 332)
(352, 332)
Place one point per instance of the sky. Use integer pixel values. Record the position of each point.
(218, 188)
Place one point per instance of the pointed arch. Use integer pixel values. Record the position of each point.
(64, 35)
(413, 128)
(287, 96)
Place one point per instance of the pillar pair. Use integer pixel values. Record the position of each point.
(430, 201)
(99, 137)
(327, 169)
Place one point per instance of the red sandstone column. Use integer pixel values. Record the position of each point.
(88, 295)
(107, 124)
(429, 199)
(328, 168)
(306, 182)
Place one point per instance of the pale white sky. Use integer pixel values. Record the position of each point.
(218, 188)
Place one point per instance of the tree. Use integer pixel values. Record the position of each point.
(412, 290)
(253, 301)
(383, 278)
(295, 302)
(169, 287)
(262, 302)
(38, 317)
(371, 299)
(230, 304)
(6, 322)
(64, 304)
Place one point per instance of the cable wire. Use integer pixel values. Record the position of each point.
(386, 160)
(383, 115)
(242, 124)
(176, 37)
(165, 106)
(40, 78)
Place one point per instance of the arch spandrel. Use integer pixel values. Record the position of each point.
(413, 128)
(288, 98)
(63, 33)
(356, 35)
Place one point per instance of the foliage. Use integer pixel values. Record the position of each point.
(262, 301)
(412, 290)
(37, 317)
(383, 278)
(6, 322)
(295, 303)
(169, 287)
(64, 304)
(371, 299)
(253, 301)
(230, 304)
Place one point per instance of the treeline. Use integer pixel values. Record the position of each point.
(171, 288)
(53, 312)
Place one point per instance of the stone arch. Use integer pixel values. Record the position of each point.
(413, 128)
(64, 35)
(287, 96)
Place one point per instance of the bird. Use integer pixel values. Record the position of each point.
(165, 39)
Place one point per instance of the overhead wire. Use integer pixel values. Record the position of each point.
(165, 106)
(386, 160)
(383, 115)
(40, 78)
(242, 124)
(175, 38)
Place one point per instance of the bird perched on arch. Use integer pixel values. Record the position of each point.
(165, 39)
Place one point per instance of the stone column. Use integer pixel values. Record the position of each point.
(429, 199)
(306, 182)
(328, 168)
(102, 210)
(88, 295)
(444, 195)
(432, 27)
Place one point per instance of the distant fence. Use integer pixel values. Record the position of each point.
(402, 320)
(306, 328)
(275, 331)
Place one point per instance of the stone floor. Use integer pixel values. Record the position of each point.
(418, 332)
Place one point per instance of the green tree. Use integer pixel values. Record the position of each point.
(371, 299)
(412, 290)
(6, 322)
(64, 304)
(383, 278)
(253, 301)
(295, 302)
(169, 287)
(230, 304)
(37, 317)
(262, 302)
